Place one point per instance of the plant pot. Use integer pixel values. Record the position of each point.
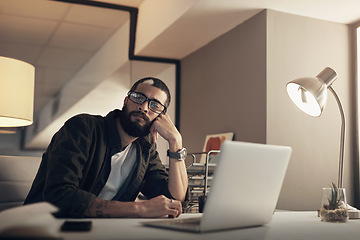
(333, 205)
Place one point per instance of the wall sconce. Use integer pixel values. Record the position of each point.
(16, 93)
(310, 95)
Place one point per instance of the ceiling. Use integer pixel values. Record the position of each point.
(58, 40)
(55, 38)
(206, 20)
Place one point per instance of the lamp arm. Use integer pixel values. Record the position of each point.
(342, 139)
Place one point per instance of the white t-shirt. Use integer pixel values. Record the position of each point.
(121, 165)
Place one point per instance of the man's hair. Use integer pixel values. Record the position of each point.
(155, 82)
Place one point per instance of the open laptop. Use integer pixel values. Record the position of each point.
(244, 192)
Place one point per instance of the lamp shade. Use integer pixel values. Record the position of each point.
(310, 93)
(16, 92)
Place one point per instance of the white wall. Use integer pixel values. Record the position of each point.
(151, 25)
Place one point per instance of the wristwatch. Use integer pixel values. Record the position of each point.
(179, 155)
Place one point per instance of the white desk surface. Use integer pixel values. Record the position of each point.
(284, 225)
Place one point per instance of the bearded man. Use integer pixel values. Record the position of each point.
(96, 166)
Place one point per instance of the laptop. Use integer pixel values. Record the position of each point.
(244, 192)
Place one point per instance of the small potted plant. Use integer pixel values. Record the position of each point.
(334, 207)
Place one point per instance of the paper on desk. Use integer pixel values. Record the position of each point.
(22, 215)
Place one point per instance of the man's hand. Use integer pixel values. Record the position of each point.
(160, 206)
(164, 126)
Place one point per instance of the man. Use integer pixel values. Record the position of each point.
(96, 166)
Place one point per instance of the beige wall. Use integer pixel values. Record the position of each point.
(237, 83)
(299, 47)
(218, 83)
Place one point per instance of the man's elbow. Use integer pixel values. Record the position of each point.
(184, 195)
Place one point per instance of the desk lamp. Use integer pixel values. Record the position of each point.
(16, 93)
(310, 95)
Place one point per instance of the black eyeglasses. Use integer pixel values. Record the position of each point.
(153, 104)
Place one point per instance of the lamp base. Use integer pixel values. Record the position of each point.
(353, 212)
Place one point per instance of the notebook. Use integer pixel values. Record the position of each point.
(244, 192)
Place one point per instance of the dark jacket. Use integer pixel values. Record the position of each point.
(76, 166)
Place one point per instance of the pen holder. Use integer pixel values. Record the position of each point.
(333, 205)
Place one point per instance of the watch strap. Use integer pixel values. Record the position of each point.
(179, 155)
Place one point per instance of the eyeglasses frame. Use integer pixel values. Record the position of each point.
(147, 100)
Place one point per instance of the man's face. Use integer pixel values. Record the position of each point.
(136, 119)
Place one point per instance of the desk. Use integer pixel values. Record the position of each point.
(284, 225)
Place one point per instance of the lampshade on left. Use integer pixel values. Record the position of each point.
(16, 92)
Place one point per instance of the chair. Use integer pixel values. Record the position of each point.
(16, 176)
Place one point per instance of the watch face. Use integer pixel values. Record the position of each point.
(183, 154)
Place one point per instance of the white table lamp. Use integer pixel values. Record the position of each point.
(16, 92)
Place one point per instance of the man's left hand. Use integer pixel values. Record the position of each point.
(164, 126)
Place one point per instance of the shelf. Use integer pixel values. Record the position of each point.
(199, 168)
(198, 181)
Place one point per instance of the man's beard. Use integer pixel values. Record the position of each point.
(134, 129)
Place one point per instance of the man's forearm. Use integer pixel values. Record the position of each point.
(105, 209)
(178, 179)
(159, 206)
